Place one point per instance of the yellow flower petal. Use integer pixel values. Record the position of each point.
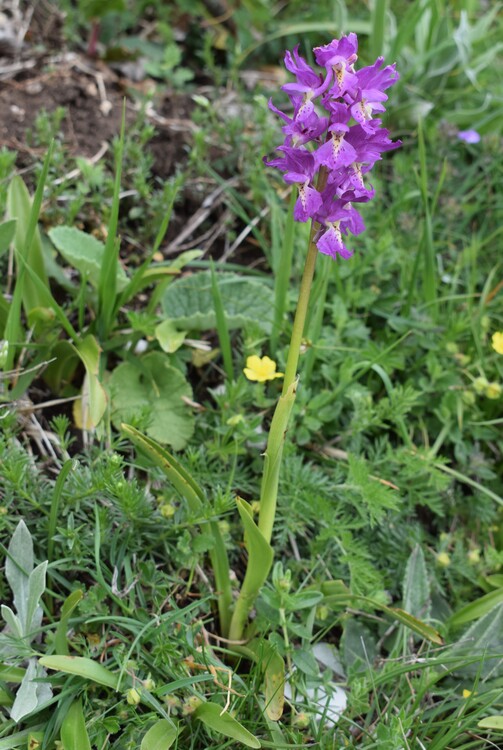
(467, 693)
(260, 369)
(497, 342)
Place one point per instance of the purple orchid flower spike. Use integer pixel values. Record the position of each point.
(333, 130)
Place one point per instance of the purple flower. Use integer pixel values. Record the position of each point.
(338, 58)
(336, 152)
(308, 83)
(333, 130)
(469, 136)
(305, 126)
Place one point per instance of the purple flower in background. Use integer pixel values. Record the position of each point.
(469, 136)
(332, 130)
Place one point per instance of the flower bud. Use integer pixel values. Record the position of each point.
(133, 697)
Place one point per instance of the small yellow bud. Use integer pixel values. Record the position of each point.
(235, 420)
(301, 720)
(322, 612)
(173, 702)
(191, 704)
(443, 559)
(473, 556)
(167, 510)
(133, 697)
(493, 390)
(149, 683)
(468, 398)
(480, 384)
(462, 359)
(467, 693)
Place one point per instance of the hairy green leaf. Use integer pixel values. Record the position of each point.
(189, 302)
(84, 253)
(152, 388)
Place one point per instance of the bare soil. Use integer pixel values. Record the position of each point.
(92, 95)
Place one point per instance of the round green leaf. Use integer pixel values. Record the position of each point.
(149, 387)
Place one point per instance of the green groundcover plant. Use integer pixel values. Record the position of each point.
(333, 137)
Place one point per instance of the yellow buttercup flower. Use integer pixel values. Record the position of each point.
(467, 693)
(261, 369)
(497, 342)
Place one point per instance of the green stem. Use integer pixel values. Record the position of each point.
(282, 269)
(279, 424)
(300, 314)
(260, 552)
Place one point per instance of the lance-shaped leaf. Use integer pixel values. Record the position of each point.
(27, 238)
(73, 729)
(179, 477)
(272, 666)
(188, 488)
(211, 715)
(60, 639)
(32, 693)
(85, 253)
(82, 667)
(18, 566)
(338, 596)
(260, 557)
(477, 609)
(94, 398)
(160, 736)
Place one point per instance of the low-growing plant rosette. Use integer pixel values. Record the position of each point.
(333, 139)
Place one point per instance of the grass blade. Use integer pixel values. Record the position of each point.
(29, 251)
(222, 328)
(60, 639)
(478, 608)
(107, 288)
(378, 25)
(68, 466)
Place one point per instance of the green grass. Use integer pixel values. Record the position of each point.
(390, 492)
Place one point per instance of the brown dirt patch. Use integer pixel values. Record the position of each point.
(93, 96)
